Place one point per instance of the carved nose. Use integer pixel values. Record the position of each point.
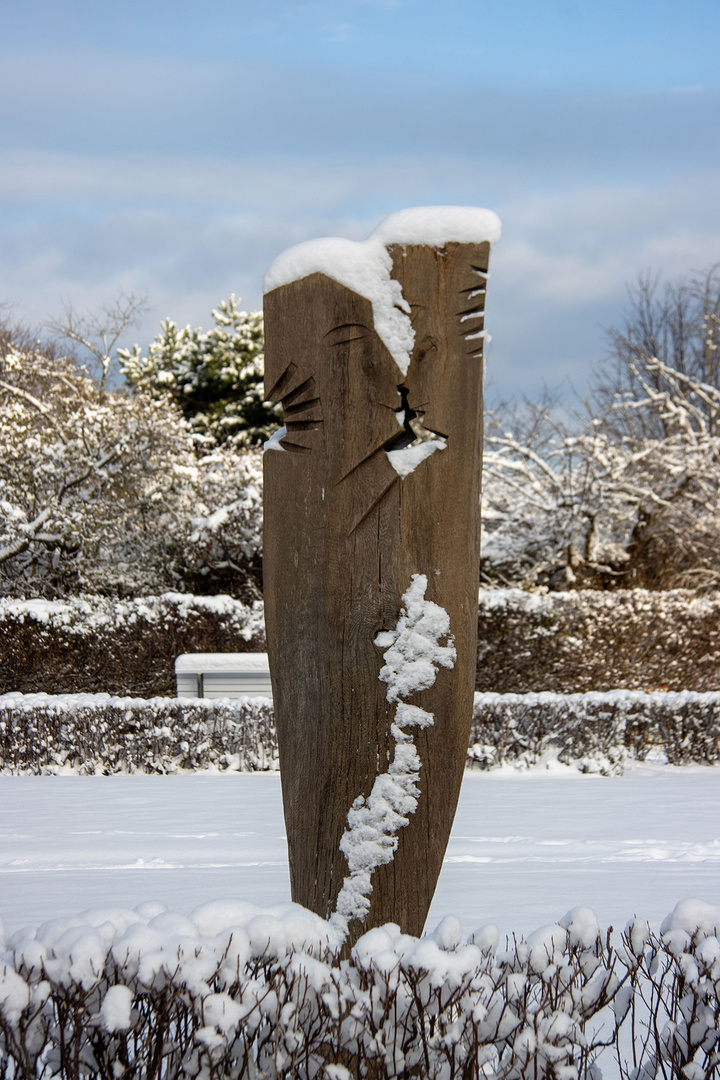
(411, 421)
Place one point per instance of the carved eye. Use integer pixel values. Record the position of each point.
(346, 334)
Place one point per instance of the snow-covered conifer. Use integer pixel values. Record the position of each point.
(215, 376)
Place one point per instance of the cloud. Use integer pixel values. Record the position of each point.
(181, 106)
(31, 177)
(572, 247)
(190, 231)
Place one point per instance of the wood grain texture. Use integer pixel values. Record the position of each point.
(343, 536)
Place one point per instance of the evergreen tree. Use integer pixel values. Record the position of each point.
(215, 376)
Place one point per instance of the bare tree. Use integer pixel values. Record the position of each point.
(675, 322)
(630, 497)
(13, 335)
(99, 333)
(706, 290)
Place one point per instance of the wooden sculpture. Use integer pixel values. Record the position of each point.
(372, 543)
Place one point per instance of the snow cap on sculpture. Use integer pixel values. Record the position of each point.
(365, 266)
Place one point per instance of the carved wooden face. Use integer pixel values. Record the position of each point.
(337, 382)
(344, 398)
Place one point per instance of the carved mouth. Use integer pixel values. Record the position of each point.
(413, 429)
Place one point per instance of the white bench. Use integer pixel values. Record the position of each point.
(214, 675)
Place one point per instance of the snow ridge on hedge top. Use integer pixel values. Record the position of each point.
(572, 702)
(365, 266)
(87, 614)
(76, 703)
(611, 699)
(641, 600)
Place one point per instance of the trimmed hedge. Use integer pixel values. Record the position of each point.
(568, 642)
(596, 732)
(574, 642)
(97, 733)
(102, 734)
(92, 644)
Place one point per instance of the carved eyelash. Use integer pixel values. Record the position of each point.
(352, 332)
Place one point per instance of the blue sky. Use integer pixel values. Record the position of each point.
(174, 148)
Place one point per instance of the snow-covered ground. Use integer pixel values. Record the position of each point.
(525, 848)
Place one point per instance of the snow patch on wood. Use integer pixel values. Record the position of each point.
(412, 657)
(407, 460)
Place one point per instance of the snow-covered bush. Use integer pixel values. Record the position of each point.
(607, 502)
(92, 485)
(222, 541)
(215, 376)
(108, 493)
(235, 991)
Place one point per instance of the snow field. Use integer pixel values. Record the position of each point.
(525, 846)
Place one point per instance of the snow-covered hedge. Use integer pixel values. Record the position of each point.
(235, 991)
(596, 732)
(92, 643)
(567, 642)
(577, 641)
(97, 733)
